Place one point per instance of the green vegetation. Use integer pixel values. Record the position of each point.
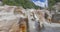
(27, 3)
(52, 2)
(23, 3)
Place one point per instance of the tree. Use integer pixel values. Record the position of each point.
(51, 3)
(23, 3)
(28, 3)
(57, 0)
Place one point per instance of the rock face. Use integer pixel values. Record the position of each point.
(8, 21)
(17, 19)
(13, 19)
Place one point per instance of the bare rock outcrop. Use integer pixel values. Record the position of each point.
(8, 19)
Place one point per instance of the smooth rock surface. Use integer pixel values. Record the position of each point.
(8, 21)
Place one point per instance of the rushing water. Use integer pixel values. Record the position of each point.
(53, 27)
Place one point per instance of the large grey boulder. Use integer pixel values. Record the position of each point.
(8, 21)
